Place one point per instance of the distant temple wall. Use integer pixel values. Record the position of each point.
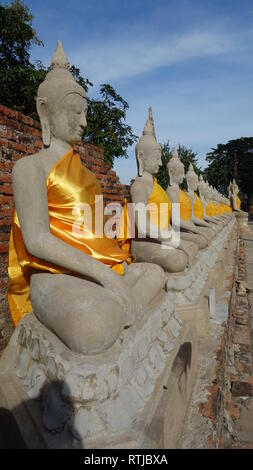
(19, 136)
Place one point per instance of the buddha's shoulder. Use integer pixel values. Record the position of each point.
(27, 165)
(172, 190)
(141, 185)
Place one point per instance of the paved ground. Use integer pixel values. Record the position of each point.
(244, 425)
(248, 244)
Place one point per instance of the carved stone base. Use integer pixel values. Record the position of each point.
(136, 394)
(111, 399)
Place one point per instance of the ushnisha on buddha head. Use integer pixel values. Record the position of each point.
(175, 169)
(61, 103)
(148, 152)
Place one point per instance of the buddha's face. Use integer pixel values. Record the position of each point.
(177, 174)
(151, 158)
(202, 188)
(68, 122)
(192, 181)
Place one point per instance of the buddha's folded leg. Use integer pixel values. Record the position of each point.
(84, 315)
(189, 248)
(146, 281)
(205, 231)
(171, 260)
(200, 241)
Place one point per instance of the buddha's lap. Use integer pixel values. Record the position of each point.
(55, 290)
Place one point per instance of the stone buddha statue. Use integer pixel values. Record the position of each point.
(221, 204)
(82, 288)
(214, 203)
(235, 202)
(209, 215)
(233, 194)
(147, 191)
(188, 229)
(197, 205)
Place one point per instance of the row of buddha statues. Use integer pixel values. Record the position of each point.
(87, 290)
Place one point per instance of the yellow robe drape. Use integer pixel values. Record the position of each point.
(185, 206)
(159, 216)
(198, 208)
(69, 186)
(210, 209)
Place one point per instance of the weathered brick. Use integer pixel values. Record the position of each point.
(242, 389)
(6, 188)
(4, 247)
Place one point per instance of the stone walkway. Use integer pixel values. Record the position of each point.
(243, 427)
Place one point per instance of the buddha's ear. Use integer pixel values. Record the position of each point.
(42, 109)
(139, 157)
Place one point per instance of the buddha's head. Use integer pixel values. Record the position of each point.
(192, 179)
(61, 102)
(234, 187)
(175, 169)
(202, 187)
(148, 152)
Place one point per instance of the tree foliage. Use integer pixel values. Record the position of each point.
(232, 160)
(187, 156)
(106, 124)
(20, 80)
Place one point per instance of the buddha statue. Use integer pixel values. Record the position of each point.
(213, 199)
(235, 203)
(197, 205)
(233, 195)
(82, 288)
(147, 191)
(188, 229)
(221, 204)
(209, 215)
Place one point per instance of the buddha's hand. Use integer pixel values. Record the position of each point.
(125, 295)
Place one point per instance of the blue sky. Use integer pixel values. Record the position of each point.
(191, 60)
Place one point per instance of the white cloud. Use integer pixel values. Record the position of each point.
(127, 56)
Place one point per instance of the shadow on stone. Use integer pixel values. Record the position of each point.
(10, 436)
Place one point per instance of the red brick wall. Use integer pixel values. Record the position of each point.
(20, 135)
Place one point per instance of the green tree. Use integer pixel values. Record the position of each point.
(232, 160)
(162, 175)
(19, 78)
(187, 156)
(106, 124)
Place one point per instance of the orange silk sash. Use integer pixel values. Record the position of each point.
(198, 208)
(159, 215)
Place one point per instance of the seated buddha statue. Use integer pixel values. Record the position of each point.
(146, 191)
(213, 199)
(235, 201)
(82, 288)
(209, 211)
(233, 192)
(234, 196)
(197, 205)
(188, 229)
(220, 201)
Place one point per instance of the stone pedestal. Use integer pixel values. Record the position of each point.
(136, 394)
